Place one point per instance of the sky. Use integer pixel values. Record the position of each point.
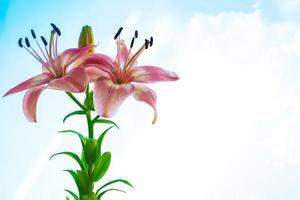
(228, 129)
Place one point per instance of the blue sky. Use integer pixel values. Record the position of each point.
(243, 137)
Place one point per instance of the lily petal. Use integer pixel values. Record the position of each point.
(122, 55)
(74, 81)
(98, 59)
(30, 101)
(108, 96)
(95, 73)
(30, 83)
(147, 95)
(150, 74)
(67, 57)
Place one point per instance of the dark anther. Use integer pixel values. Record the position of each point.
(20, 43)
(44, 41)
(118, 33)
(27, 42)
(56, 29)
(151, 41)
(33, 34)
(146, 43)
(132, 42)
(136, 34)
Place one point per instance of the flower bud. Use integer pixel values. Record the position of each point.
(86, 37)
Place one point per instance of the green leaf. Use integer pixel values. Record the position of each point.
(84, 182)
(72, 155)
(75, 177)
(78, 112)
(101, 166)
(100, 139)
(72, 194)
(67, 198)
(89, 102)
(115, 181)
(105, 191)
(105, 121)
(91, 151)
(81, 137)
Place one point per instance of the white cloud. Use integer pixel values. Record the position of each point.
(289, 7)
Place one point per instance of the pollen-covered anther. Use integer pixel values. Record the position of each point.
(20, 43)
(33, 34)
(118, 33)
(27, 42)
(136, 34)
(151, 41)
(44, 41)
(56, 29)
(132, 42)
(146, 44)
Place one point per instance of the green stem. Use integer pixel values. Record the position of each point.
(88, 115)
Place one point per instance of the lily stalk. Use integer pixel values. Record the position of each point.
(93, 162)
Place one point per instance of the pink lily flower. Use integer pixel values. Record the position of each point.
(115, 80)
(56, 73)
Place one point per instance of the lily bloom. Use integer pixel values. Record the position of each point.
(56, 73)
(116, 79)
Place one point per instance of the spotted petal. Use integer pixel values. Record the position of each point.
(30, 101)
(30, 83)
(75, 81)
(147, 95)
(108, 96)
(150, 74)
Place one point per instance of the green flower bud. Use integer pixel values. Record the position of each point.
(86, 37)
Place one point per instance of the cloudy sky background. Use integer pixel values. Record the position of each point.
(229, 129)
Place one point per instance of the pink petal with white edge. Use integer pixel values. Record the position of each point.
(122, 55)
(67, 57)
(30, 102)
(98, 59)
(95, 73)
(108, 96)
(150, 74)
(147, 95)
(75, 81)
(30, 83)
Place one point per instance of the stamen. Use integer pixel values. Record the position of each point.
(118, 33)
(132, 42)
(136, 34)
(56, 29)
(20, 43)
(55, 46)
(151, 41)
(146, 43)
(33, 34)
(44, 41)
(27, 42)
(34, 52)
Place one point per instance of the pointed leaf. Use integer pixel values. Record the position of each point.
(72, 194)
(81, 137)
(105, 191)
(91, 151)
(101, 166)
(100, 139)
(78, 112)
(105, 121)
(72, 155)
(75, 177)
(84, 182)
(115, 181)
